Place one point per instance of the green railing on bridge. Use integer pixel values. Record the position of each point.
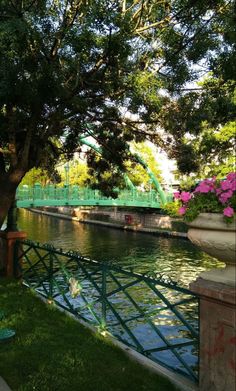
(37, 195)
(149, 313)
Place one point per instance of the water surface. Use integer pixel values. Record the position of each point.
(175, 257)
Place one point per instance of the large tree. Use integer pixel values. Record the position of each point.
(69, 66)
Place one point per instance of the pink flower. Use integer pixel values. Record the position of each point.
(185, 196)
(182, 210)
(228, 212)
(203, 188)
(231, 176)
(224, 197)
(226, 185)
(233, 185)
(177, 195)
(206, 186)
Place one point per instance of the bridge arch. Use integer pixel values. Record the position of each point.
(84, 141)
(139, 160)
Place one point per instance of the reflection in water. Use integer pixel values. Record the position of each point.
(177, 258)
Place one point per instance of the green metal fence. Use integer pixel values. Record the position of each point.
(50, 195)
(149, 313)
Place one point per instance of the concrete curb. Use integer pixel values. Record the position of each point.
(3, 385)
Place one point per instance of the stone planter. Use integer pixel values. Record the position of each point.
(213, 235)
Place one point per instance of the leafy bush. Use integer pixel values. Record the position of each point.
(171, 208)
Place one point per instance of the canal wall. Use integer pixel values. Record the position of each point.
(127, 219)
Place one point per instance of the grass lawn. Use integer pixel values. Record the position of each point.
(52, 352)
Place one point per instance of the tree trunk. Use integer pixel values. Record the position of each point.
(6, 199)
(8, 185)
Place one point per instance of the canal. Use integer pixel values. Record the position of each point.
(174, 257)
(161, 321)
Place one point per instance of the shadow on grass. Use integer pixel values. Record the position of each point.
(52, 352)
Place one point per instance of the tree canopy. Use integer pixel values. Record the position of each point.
(201, 128)
(69, 66)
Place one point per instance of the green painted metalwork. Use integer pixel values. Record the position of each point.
(154, 180)
(51, 195)
(138, 158)
(84, 141)
(149, 313)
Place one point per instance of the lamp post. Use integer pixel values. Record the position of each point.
(150, 185)
(67, 168)
(67, 181)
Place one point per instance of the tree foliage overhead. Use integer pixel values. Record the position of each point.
(202, 128)
(65, 64)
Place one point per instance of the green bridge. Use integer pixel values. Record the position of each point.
(51, 195)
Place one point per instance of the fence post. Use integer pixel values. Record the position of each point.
(51, 191)
(8, 253)
(75, 189)
(36, 191)
(104, 290)
(50, 275)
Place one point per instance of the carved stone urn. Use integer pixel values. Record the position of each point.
(212, 234)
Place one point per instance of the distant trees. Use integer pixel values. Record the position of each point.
(36, 175)
(137, 173)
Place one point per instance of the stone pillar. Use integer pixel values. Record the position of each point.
(7, 243)
(217, 335)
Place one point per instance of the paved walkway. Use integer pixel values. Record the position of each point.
(3, 385)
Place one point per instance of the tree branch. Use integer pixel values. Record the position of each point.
(68, 20)
(152, 25)
(5, 151)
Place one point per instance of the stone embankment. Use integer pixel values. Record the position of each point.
(132, 220)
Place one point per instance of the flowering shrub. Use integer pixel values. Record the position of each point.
(171, 208)
(210, 196)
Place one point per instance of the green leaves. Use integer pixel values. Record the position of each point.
(202, 203)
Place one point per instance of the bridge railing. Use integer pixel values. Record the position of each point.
(69, 194)
(149, 313)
